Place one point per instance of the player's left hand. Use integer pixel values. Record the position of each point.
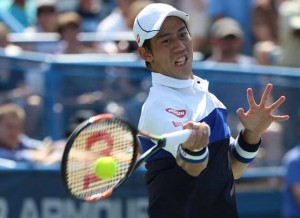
(260, 116)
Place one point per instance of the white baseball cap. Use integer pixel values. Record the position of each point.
(226, 26)
(148, 22)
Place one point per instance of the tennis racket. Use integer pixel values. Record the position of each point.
(105, 135)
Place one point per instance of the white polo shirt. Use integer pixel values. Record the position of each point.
(173, 102)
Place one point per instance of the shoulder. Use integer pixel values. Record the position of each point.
(162, 113)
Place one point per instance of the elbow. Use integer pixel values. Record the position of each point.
(237, 175)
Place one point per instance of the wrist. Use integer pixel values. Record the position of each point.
(243, 151)
(250, 137)
(193, 156)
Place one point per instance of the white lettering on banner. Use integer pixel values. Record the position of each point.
(29, 209)
(3, 208)
(137, 207)
(69, 208)
(109, 208)
(51, 208)
(73, 210)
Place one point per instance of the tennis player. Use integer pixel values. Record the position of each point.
(197, 179)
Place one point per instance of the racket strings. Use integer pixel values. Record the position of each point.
(108, 138)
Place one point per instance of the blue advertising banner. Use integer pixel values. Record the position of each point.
(39, 193)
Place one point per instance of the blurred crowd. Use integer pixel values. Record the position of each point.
(264, 32)
(246, 33)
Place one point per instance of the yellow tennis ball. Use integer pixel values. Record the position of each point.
(105, 167)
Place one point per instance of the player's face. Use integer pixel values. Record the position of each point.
(171, 50)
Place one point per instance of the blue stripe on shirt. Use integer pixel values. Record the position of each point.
(219, 130)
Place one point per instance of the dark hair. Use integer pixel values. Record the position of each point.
(147, 47)
(45, 8)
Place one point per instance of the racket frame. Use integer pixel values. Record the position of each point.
(71, 140)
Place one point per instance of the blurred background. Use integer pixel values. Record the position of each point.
(64, 61)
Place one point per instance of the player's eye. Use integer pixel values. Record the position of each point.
(166, 41)
(184, 35)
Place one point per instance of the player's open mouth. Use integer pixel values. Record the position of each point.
(181, 61)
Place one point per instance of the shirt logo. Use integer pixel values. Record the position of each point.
(177, 113)
(176, 124)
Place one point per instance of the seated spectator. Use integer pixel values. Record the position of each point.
(91, 13)
(199, 22)
(240, 11)
(226, 43)
(46, 22)
(15, 145)
(8, 47)
(265, 26)
(46, 17)
(265, 21)
(69, 25)
(134, 9)
(289, 34)
(286, 52)
(115, 22)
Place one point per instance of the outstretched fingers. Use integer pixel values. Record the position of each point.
(281, 117)
(266, 94)
(250, 98)
(277, 103)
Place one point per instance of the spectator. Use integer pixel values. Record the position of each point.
(239, 11)
(265, 21)
(12, 86)
(69, 24)
(289, 33)
(46, 17)
(8, 47)
(199, 21)
(291, 197)
(226, 42)
(287, 50)
(134, 9)
(46, 22)
(14, 144)
(91, 13)
(115, 22)
(265, 30)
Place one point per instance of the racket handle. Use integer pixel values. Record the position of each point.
(177, 137)
(174, 139)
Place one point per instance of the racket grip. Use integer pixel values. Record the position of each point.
(178, 137)
(174, 139)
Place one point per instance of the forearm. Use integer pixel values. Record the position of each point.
(237, 167)
(243, 151)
